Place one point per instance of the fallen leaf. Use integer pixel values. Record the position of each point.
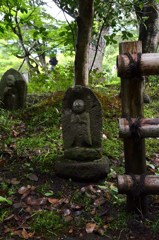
(15, 133)
(83, 189)
(92, 196)
(19, 205)
(54, 201)
(104, 136)
(68, 218)
(71, 230)
(93, 212)
(66, 212)
(90, 227)
(77, 213)
(36, 202)
(2, 162)
(9, 217)
(93, 189)
(76, 207)
(25, 191)
(108, 195)
(106, 226)
(29, 210)
(14, 181)
(33, 177)
(100, 231)
(38, 152)
(27, 235)
(99, 201)
(23, 233)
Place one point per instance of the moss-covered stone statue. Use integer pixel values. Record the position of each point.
(13, 90)
(82, 136)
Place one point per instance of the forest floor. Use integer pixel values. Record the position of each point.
(37, 204)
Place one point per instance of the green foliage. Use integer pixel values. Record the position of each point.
(112, 145)
(5, 121)
(81, 199)
(151, 110)
(30, 31)
(4, 213)
(120, 221)
(155, 226)
(48, 223)
(57, 80)
(118, 16)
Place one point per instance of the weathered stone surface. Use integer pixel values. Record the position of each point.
(82, 136)
(13, 90)
(82, 171)
(81, 119)
(83, 154)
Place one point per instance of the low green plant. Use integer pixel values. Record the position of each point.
(155, 225)
(4, 213)
(6, 121)
(81, 199)
(48, 223)
(151, 146)
(120, 220)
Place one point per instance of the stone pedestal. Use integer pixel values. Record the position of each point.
(82, 137)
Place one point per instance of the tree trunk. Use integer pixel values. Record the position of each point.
(148, 28)
(97, 50)
(84, 22)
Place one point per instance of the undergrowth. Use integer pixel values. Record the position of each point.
(32, 141)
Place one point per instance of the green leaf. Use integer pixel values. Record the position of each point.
(61, 34)
(48, 194)
(3, 199)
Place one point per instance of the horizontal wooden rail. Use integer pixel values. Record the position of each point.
(148, 64)
(149, 184)
(149, 128)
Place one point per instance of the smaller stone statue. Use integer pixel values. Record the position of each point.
(10, 93)
(13, 90)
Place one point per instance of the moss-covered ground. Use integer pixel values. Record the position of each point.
(36, 204)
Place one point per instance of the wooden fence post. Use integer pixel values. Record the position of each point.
(132, 90)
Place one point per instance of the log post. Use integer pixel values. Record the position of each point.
(132, 90)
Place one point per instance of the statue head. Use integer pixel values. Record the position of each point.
(10, 80)
(78, 106)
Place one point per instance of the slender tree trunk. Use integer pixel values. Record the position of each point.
(84, 22)
(148, 18)
(97, 51)
(41, 53)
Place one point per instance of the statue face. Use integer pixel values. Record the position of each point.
(10, 80)
(78, 106)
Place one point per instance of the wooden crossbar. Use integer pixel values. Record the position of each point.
(148, 64)
(150, 184)
(149, 128)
